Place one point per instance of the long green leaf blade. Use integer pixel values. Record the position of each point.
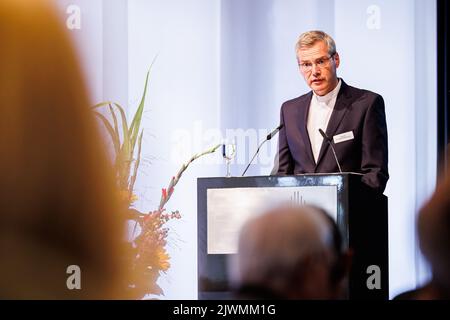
(116, 126)
(136, 165)
(109, 128)
(136, 123)
(125, 155)
(101, 104)
(125, 132)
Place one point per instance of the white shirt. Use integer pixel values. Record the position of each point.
(319, 115)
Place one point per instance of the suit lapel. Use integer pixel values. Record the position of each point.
(303, 115)
(340, 109)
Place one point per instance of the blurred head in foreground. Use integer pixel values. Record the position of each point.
(57, 194)
(434, 238)
(291, 253)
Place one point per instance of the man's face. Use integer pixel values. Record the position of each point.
(321, 77)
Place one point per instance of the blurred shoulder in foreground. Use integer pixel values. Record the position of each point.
(57, 197)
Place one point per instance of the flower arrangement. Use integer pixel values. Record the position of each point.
(146, 256)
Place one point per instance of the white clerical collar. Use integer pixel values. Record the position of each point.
(330, 95)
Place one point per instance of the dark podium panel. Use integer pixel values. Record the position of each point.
(361, 217)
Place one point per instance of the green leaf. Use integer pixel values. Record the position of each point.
(125, 147)
(109, 128)
(125, 132)
(136, 123)
(116, 126)
(101, 104)
(125, 156)
(136, 165)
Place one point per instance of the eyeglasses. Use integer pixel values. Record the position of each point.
(320, 63)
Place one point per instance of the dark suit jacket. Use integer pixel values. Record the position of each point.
(356, 110)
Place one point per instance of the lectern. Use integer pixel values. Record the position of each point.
(224, 204)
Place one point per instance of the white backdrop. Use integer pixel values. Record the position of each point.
(229, 64)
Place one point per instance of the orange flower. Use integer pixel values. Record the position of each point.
(163, 258)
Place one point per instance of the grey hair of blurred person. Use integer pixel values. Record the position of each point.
(272, 245)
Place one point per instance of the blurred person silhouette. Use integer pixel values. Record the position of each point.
(57, 197)
(291, 253)
(433, 228)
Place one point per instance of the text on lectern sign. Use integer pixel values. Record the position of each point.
(229, 208)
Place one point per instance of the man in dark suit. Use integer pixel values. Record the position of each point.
(352, 118)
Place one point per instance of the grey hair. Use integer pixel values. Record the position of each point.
(309, 38)
(272, 245)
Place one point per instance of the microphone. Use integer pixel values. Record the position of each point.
(330, 142)
(274, 132)
(269, 136)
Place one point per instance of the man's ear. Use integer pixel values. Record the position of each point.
(337, 60)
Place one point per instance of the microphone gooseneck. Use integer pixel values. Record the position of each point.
(269, 136)
(330, 142)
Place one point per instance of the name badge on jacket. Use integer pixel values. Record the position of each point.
(343, 137)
